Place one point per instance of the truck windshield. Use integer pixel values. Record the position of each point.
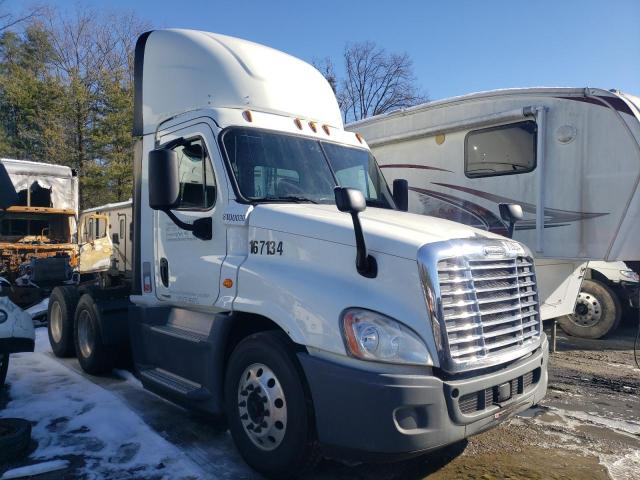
(275, 167)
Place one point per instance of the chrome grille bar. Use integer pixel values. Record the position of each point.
(487, 305)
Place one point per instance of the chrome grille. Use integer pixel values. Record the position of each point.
(488, 305)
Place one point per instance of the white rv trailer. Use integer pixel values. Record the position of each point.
(276, 284)
(570, 157)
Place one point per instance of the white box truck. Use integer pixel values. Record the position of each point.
(277, 285)
(570, 157)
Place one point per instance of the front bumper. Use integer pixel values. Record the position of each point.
(400, 415)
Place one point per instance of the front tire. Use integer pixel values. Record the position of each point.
(94, 356)
(597, 313)
(269, 408)
(60, 313)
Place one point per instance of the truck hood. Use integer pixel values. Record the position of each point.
(385, 231)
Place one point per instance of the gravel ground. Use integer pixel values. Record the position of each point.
(588, 426)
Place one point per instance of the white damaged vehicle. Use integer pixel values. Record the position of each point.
(16, 327)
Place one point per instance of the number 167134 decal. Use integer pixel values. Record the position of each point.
(265, 247)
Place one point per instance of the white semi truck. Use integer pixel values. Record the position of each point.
(278, 284)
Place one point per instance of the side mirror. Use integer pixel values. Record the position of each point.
(401, 194)
(511, 213)
(164, 182)
(352, 201)
(115, 239)
(8, 195)
(164, 192)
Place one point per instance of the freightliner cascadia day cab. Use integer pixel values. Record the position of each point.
(569, 156)
(278, 284)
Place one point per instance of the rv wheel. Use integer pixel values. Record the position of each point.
(94, 356)
(62, 306)
(597, 312)
(268, 407)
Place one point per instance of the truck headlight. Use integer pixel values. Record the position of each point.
(631, 275)
(370, 335)
(3, 316)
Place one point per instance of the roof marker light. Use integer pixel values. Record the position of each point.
(298, 123)
(247, 115)
(359, 137)
(312, 126)
(326, 129)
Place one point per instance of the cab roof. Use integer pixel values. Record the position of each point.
(182, 70)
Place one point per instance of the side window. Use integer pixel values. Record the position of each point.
(504, 150)
(197, 181)
(122, 228)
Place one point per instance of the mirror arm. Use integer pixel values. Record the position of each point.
(365, 263)
(201, 228)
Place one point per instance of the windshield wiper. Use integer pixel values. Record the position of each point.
(287, 198)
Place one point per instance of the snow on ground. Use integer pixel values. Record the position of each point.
(73, 416)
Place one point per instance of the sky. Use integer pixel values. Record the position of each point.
(457, 46)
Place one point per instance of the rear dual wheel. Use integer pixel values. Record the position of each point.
(94, 356)
(60, 315)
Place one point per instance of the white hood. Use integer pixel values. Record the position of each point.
(385, 231)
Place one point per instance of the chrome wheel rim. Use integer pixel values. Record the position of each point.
(588, 311)
(86, 334)
(262, 406)
(55, 322)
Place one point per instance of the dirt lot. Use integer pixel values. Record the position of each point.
(587, 427)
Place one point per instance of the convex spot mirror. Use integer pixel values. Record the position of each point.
(401, 194)
(511, 213)
(164, 181)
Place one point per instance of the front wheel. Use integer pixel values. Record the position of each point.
(596, 314)
(268, 407)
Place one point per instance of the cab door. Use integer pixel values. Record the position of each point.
(188, 268)
(96, 248)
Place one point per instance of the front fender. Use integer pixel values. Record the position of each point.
(305, 289)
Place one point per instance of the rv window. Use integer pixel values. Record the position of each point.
(197, 182)
(122, 227)
(504, 150)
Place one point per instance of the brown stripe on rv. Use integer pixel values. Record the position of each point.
(412, 165)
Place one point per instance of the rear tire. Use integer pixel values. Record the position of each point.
(269, 408)
(60, 313)
(94, 356)
(597, 313)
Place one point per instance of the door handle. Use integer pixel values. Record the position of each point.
(164, 271)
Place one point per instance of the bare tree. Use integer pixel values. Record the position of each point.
(376, 82)
(8, 19)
